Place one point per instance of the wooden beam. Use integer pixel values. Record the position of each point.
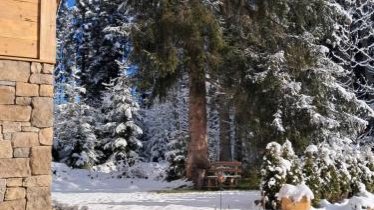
(47, 48)
(25, 59)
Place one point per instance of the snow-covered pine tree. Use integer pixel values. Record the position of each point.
(93, 47)
(159, 121)
(352, 42)
(274, 172)
(294, 175)
(331, 185)
(311, 172)
(163, 118)
(101, 30)
(119, 135)
(75, 138)
(213, 121)
(66, 80)
(176, 155)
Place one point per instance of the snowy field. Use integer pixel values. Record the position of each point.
(100, 191)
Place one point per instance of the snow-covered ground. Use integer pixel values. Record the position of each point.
(103, 190)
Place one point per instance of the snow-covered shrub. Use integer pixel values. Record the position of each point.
(332, 174)
(311, 172)
(330, 187)
(274, 172)
(295, 174)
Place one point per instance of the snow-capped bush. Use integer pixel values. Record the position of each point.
(274, 172)
(331, 173)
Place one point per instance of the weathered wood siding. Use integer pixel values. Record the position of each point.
(27, 29)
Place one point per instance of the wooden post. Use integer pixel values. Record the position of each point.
(288, 204)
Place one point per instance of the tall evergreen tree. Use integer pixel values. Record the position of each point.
(181, 36)
(101, 30)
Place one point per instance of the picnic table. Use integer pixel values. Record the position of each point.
(223, 174)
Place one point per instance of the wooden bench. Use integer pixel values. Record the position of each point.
(223, 174)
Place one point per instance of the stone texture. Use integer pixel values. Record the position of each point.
(11, 127)
(6, 150)
(14, 168)
(48, 68)
(26, 89)
(7, 136)
(30, 129)
(46, 136)
(25, 139)
(14, 71)
(8, 83)
(41, 158)
(42, 114)
(7, 95)
(14, 205)
(26, 101)
(38, 198)
(26, 135)
(15, 193)
(15, 113)
(38, 181)
(21, 152)
(14, 182)
(36, 67)
(25, 123)
(46, 90)
(2, 189)
(46, 79)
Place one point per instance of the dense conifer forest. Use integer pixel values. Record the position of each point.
(282, 86)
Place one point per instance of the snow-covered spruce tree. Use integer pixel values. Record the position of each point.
(311, 172)
(158, 123)
(284, 84)
(330, 188)
(274, 171)
(101, 29)
(75, 138)
(118, 132)
(294, 175)
(163, 118)
(369, 170)
(213, 122)
(352, 42)
(176, 155)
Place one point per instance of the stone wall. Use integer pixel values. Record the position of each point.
(26, 135)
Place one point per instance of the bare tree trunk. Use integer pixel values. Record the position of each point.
(224, 125)
(198, 161)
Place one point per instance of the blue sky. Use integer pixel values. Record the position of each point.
(71, 2)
